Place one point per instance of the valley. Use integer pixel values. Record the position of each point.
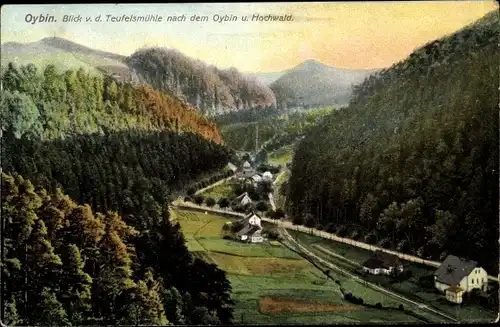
(163, 188)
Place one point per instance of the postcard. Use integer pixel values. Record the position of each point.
(249, 163)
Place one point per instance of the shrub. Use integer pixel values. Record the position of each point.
(310, 221)
(298, 220)
(348, 296)
(378, 305)
(426, 281)
(198, 199)
(261, 206)
(210, 202)
(272, 234)
(401, 307)
(249, 207)
(279, 213)
(320, 227)
(342, 231)
(271, 214)
(188, 199)
(371, 238)
(385, 243)
(223, 202)
(355, 234)
(403, 246)
(331, 228)
(191, 191)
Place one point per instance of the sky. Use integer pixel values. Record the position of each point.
(356, 35)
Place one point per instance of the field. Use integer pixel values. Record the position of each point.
(408, 288)
(270, 282)
(223, 190)
(281, 156)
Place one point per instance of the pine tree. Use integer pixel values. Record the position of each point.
(52, 312)
(75, 285)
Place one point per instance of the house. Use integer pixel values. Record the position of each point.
(267, 176)
(232, 167)
(247, 170)
(382, 263)
(251, 219)
(256, 178)
(244, 199)
(252, 234)
(456, 276)
(252, 229)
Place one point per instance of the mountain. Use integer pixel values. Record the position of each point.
(212, 90)
(65, 54)
(412, 163)
(207, 88)
(313, 84)
(266, 78)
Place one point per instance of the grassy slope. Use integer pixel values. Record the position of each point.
(259, 270)
(282, 156)
(62, 60)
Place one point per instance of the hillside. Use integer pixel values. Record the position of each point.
(412, 162)
(121, 153)
(207, 88)
(67, 55)
(77, 102)
(68, 265)
(313, 84)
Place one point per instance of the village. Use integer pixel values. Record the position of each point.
(455, 278)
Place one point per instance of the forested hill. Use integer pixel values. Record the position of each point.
(412, 163)
(49, 104)
(211, 90)
(109, 256)
(67, 265)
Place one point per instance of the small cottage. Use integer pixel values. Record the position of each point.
(456, 276)
(267, 176)
(247, 170)
(382, 263)
(252, 234)
(252, 219)
(252, 229)
(256, 178)
(243, 199)
(232, 167)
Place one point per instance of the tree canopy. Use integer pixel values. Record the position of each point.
(414, 156)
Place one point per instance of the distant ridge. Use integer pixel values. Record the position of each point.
(313, 84)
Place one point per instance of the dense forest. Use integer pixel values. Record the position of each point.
(48, 104)
(92, 166)
(211, 90)
(412, 162)
(67, 265)
(276, 129)
(247, 116)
